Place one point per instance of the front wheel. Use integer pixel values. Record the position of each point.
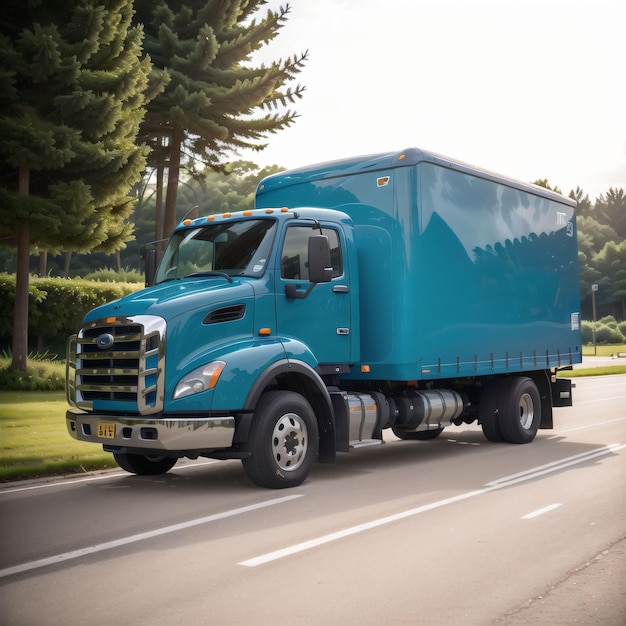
(144, 465)
(282, 442)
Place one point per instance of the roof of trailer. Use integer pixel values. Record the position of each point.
(387, 160)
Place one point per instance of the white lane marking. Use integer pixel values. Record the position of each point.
(300, 547)
(538, 512)
(541, 470)
(75, 554)
(596, 400)
(70, 480)
(570, 430)
(490, 486)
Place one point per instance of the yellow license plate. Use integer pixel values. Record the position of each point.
(106, 430)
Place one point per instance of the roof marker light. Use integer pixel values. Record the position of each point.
(186, 222)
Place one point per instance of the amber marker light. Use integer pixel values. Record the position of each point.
(227, 215)
(268, 211)
(186, 222)
(365, 369)
(247, 213)
(211, 218)
(265, 331)
(285, 209)
(111, 320)
(402, 157)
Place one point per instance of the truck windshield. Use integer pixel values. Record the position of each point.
(237, 248)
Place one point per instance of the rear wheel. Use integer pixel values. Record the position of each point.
(144, 465)
(282, 442)
(510, 409)
(520, 410)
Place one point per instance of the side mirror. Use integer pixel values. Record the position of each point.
(320, 269)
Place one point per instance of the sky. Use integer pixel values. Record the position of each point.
(527, 88)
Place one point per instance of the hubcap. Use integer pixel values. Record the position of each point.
(289, 442)
(526, 411)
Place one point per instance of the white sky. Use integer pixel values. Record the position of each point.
(527, 88)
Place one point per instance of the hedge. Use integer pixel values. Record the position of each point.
(608, 331)
(56, 306)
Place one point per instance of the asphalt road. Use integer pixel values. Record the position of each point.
(453, 531)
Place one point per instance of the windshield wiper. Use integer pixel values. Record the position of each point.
(210, 273)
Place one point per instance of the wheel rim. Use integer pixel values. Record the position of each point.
(289, 442)
(526, 411)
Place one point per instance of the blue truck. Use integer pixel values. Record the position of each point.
(403, 291)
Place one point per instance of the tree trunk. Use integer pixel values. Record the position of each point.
(158, 232)
(43, 263)
(169, 218)
(66, 268)
(19, 346)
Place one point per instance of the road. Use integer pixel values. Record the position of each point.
(453, 531)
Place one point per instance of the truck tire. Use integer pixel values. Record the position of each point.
(283, 441)
(144, 465)
(488, 411)
(421, 435)
(519, 410)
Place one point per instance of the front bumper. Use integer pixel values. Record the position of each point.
(175, 434)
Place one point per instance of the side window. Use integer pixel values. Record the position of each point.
(294, 262)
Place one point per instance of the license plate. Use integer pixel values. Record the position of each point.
(106, 430)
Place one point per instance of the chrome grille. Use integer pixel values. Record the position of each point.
(118, 362)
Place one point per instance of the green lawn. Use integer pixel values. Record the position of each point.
(34, 440)
(603, 350)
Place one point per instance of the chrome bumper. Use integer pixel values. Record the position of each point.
(174, 434)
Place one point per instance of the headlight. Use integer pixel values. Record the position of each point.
(199, 380)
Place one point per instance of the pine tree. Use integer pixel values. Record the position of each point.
(73, 82)
(216, 101)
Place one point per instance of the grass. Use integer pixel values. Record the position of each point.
(34, 441)
(593, 371)
(603, 350)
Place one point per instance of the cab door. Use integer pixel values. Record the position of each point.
(321, 319)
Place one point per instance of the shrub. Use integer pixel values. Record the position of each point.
(38, 376)
(56, 306)
(608, 320)
(108, 275)
(605, 334)
(586, 330)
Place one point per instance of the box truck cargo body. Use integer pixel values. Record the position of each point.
(403, 291)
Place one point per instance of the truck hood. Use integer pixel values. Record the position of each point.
(170, 299)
